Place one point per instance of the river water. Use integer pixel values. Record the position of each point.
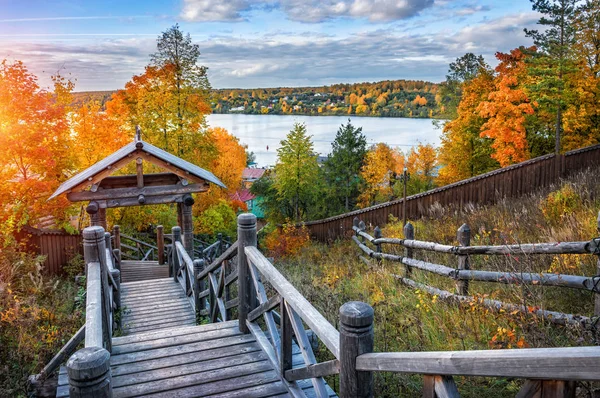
(263, 133)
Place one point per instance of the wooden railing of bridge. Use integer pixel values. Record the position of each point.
(512, 181)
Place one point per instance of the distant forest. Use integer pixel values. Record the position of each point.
(390, 98)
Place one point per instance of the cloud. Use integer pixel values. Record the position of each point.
(284, 58)
(471, 10)
(214, 10)
(309, 11)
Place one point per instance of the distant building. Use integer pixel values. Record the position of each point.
(251, 174)
(237, 109)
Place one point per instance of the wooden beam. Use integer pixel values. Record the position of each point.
(167, 166)
(264, 307)
(110, 169)
(122, 193)
(139, 168)
(151, 200)
(311, 371)
(130, 180)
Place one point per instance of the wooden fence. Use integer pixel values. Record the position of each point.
(462, 272)
(512, 181)
(58, 246)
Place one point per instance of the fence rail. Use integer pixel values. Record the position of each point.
(512, 181)
(463, 274)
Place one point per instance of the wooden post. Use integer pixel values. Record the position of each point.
(180, 214)
(246, 237)
(160, 244)
(356, 338)
(89, 373)
(200, 303)
(286, 339)
(117, 253)
(355, 223)
(220, 249)
(116, 276)
(409, 234)
(597, 295)
(176, 234)
(363, 227)
(377, 235)
(92, 209)
(187, 226)
(463, 235)
(117, 237)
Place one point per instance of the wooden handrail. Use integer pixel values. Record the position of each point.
(138, 241)
(309, 314)
(570, 363)
(228, 254)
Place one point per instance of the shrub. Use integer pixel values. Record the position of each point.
(559, 204)
(287, 240)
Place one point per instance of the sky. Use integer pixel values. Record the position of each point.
(260, 43)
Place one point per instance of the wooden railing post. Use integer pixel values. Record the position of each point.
(117, 237)
(597, 295)
(363, 227)
(198, 286)
(160, 244)
(116, 276)
(220, 249)
(409, 234)
(463, 235)
(356, 338)
(89, 373)
(286, 339)
(377, 235)
(176, 234)
(187, 225)
(246, 237)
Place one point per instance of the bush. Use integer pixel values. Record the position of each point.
(287, 240)
(559, 204)
(37, 317)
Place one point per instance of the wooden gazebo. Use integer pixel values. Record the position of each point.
(103, 190)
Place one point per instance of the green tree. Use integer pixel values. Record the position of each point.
(343, 164)
(553, 61)
(296, 170)
(460, 72)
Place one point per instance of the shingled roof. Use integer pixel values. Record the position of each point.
(130, 149)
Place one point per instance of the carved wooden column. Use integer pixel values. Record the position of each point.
(188, 225)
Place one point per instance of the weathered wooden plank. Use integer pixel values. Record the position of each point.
(268, 305)
(117, 341)
(268, 316)
(275, 389)
(191, 368)
(573, 363)
(139, 368)
(445, 387)
(314, 370)
(190, 317)
(169, 351)
(202, 385)
(135, 192)
(317, 322)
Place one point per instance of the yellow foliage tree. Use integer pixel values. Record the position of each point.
(381, 164)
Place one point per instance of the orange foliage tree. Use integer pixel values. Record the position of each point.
(36, 147)
(506, 109)
(380, 165)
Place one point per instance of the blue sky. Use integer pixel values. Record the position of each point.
(261, 43)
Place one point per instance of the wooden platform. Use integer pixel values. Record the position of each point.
(132, 271)
(153, 305)
(213, 360)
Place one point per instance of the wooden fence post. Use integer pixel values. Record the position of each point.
(117, 237)
(597, 295)
(355, 223)
(377, 235)
(89, 373)
(463, 235)
(197, 288)
(176, 237)
(363, 227)
(409, 234)
(187, 225)
(246, 237)
(160, 244)
(356, 338)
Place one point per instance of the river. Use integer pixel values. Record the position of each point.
(263, 133)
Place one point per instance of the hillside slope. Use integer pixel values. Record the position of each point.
(412, 320)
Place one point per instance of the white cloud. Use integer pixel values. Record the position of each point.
(211, 10)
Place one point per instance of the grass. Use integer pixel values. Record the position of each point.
(412, 320)
(38, 315)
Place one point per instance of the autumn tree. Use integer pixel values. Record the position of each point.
(551, 64)
(506, 109)
(381, 164)
(463, 152)
(170, 99)
(296, 171)
(36, 147)
(421, 164)
(344, 163)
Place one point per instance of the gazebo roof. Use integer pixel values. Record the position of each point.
(137, 149)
